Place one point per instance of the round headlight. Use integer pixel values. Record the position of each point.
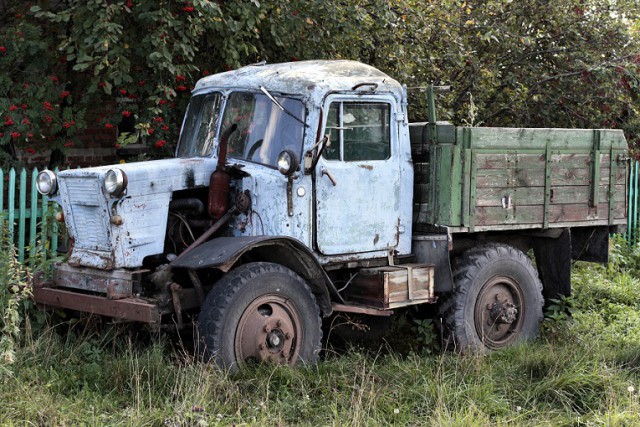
(115, 182)
(46, 182)
(287, 163)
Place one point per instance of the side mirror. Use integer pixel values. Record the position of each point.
(287, 163)
(311, 157)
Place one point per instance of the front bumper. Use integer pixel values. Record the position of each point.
(109, 293)
(127, 309)
(102, 292)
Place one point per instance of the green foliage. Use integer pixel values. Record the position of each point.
(560, 309)
(560, 64)
(573, 63)
(606, 300)
(14, 294)
(558, 317)
(624, 257)
(109, 63)
(411, 331)
(426, 334)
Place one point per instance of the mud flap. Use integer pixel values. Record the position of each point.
(553, 259)
(590, 244)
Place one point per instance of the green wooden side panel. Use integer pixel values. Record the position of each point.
(574, 214)
(519, 138)
(503, 178)
(445, 203)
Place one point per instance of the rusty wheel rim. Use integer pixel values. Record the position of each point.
(499, 312)
(269, 330)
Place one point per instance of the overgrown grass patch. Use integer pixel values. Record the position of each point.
(581, 371)
(533, 384)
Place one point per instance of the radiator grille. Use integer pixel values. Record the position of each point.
(89, 213)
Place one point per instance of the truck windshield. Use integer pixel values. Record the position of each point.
(199, 128)
(264, 130)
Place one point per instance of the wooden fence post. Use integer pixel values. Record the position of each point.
(33, 221)
(22, 215)
(11, 203)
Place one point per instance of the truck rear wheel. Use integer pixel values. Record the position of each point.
(260, 312)
(497, 300)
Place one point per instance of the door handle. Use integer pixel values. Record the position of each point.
(329, 175)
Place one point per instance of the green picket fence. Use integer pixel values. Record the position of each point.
(26, 215)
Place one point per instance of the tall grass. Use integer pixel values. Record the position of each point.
(14, 294)
(580, 372)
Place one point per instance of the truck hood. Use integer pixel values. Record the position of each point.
(153, 177)
(143, 209)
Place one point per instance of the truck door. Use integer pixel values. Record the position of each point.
(357, 197)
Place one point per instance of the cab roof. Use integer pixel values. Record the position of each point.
(312, 79)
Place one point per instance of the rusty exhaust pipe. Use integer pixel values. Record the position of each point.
(218, 194)
(219, 181)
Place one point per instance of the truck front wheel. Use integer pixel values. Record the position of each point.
(260, 312)
(497, 300)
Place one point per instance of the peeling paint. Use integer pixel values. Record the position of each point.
(190, 178)
(367, 196)
(312, 79)
(372, 188)
(144, 209)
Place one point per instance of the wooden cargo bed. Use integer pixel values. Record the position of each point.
(478, 179)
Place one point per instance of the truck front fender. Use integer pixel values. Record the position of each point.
(223, 253)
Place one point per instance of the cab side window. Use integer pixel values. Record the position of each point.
(359, 131)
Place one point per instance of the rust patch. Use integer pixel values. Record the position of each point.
(367, 167)
(115, 285)
(70, 245)
(115, 291)
(129, 308)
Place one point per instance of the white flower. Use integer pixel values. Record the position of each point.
(396, 411)
(630, 389)
(518, 408)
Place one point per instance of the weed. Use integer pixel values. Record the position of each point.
(14, 293)
(560, 309)
(426, 334)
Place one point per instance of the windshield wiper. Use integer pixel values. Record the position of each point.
(280, 106)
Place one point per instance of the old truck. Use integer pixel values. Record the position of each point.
(301, 190)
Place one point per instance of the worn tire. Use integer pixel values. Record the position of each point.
(497, 300)
(263, 312)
